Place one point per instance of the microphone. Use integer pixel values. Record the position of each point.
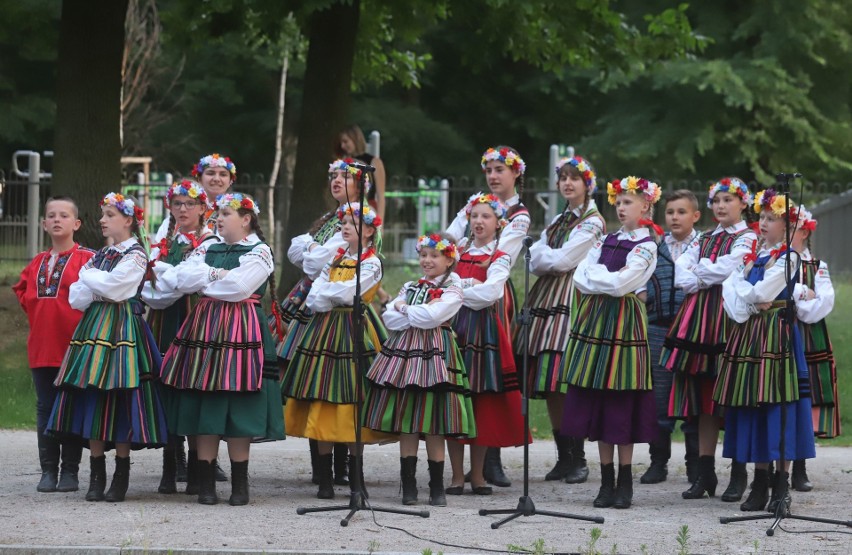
(528, 241)
(361, 166)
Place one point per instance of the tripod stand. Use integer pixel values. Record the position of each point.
(358, 499)
(526, 507)
(782, 509)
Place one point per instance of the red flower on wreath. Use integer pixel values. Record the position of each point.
(246, 204)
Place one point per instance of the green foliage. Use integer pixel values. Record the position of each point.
(536, 548)
(683, 540)
(591, 547)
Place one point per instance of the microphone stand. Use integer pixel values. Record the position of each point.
(782, 510)
(358, 500)
(526, 507)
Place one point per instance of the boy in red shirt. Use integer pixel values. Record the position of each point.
(43, 294)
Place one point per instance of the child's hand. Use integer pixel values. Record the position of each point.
(763, 306)
(223, 273)
(398, 306)
(810, 295)
(643, 296)
(474, 281)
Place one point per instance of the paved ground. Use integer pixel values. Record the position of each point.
(149, 522)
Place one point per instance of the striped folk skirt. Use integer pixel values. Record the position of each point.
(419, 386)
(549, 302)
(484, 343)
(698, 334)
(295, 315)
(107, 381)
(822, 371)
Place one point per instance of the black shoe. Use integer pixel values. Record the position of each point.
(48, 458)
(313, 445)
(579, 472)
(97, 478)
(437, 496)
(239, 484)
(739, 481)
(493, 469)
(759, 493)
(72, 452)
(192, 486)
(776, 498)
(408, 478)
(606, 494)
(624, 489)
(218, 472)
(690, 458)
(205, 474)
(325, 477)
(168, 483)
(120, 480)
(341, 464)
(563, 458)
(661, 452)
(180, 460)
(801, 482)
(356, 476)
(707, 480)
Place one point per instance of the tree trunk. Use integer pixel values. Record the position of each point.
(276, 164)
(325, 109)
(87, 160)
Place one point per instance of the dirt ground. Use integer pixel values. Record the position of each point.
(279, 476)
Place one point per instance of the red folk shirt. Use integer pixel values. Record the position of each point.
(43, 294)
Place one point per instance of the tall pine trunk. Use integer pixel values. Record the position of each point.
(87, 145)
(325, 110)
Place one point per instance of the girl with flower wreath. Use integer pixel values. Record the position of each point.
(419, 384)
(187, 203)
(108, 394)
(697, 336)
(504, 173)
(763, 369)
(607, 361)
(483, 338)
(554, 257)
(320, 382)
(221, 367)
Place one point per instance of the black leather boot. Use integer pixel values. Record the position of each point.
(707, 480)
(72, 452)
(180, 460)
(239, 484)
(739, 482)
(325, 477)
(780, 482)
(759, 493)
(205, 475)
(192, 473)
(437, 496)
(168, 483)
(661, 452)
(341, 464)
(579, 472)
(606, 494)
(313, 445)
(48, 458)
(801, 482)
(218, 473)
(408, 477)
(624, 489)
(690, 458)
(97, 478)
(120, 480)
(493, 469)
(563, 458)
(356, 476)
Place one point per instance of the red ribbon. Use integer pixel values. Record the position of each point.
(193, 240)
(775, 253)
(163, 245)
(752, 256)
(755, 226)
(279, 321)
(435, 294)
(650, 223)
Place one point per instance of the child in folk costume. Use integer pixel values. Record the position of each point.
(554, 257)
(419, 385)
(108, 394)
(504, 173)
(483, 338)
(43, 294)
(187, 204)
(608, 374)
(310, 252)
(321, 380)
(814, 296)
(221, 366)
(697, 336)
(763, 369)
(663, 302)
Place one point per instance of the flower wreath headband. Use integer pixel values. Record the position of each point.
(214, 161)
(769, 199)
(499, 208)
(354, 209)
(126, 206)
(649, 190)
(237, 201)
(732, 185)
(443, 246)
(186, 188)
(505, 155)
(583, 167)
(343, 164)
